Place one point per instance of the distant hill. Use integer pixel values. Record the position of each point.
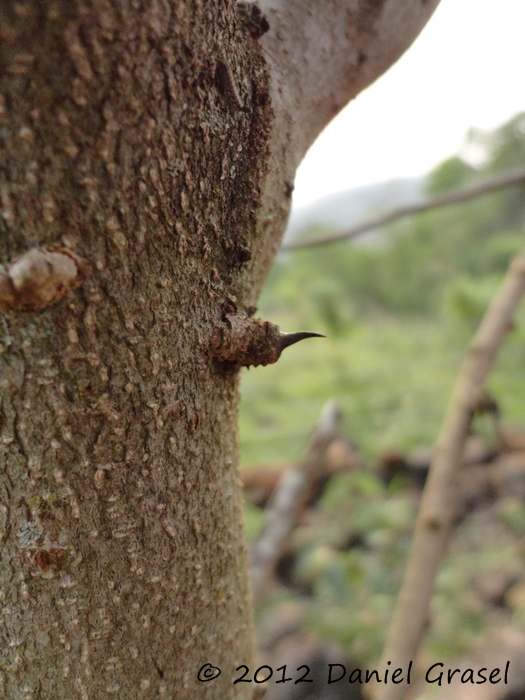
(344, 209)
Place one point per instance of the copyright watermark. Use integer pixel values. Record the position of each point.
(438, 673)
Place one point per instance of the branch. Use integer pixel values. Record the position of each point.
(291, 495)
(436, 511)
(322, 53)
(508, 180)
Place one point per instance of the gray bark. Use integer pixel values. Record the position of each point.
(157, 141)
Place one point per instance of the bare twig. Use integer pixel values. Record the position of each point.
(290, 497)
(436, 511)
(510, 179)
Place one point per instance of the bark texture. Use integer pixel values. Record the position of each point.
(157, 142)
(123, 563)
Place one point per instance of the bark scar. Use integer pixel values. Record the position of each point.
(227, 85)
(39, 278)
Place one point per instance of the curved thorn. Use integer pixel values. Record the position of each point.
(287, 339)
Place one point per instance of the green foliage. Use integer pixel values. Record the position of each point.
(503, 148)
(398, 314)
(450, 175)
(467, 297)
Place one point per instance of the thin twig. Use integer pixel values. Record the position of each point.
(291, 495)
(436, 511)
(514, 178)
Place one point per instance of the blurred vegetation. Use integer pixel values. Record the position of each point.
(398, 314)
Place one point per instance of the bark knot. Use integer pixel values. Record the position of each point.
(39, 278)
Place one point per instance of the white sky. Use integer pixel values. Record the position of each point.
(467, 68)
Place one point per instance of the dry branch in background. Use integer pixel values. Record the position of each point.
(445, 200)
(291, 495)
(435, 514)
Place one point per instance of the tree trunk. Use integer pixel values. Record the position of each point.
(153, 146)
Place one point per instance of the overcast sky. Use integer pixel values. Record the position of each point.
(465, 69)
